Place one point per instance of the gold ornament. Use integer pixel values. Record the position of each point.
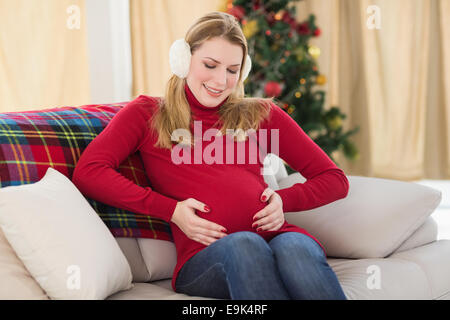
(298, 94)
(314, 51)
(321, 79)
(250, 28)
(335, 123)
(302, 81)
(290, 109)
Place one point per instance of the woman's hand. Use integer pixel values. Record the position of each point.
(271, 218)
(196, 228)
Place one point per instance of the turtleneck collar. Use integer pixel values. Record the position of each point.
(196, 106)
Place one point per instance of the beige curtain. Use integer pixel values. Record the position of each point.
(394, 82)
(155, 24)
(43, 56)
(441, 81)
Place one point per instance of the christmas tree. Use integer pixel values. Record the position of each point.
(284, 66)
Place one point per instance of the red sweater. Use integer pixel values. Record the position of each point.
(231, 190)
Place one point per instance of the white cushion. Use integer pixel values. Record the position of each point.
(375, 218)
(276, 170)
(279, 166)
(16, 281)
(271, 181)
(61, 240)
(425, 234)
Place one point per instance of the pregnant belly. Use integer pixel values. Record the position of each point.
(234, 199)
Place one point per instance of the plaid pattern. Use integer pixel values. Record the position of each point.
(32, 141)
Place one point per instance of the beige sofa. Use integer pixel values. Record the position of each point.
(380, 241)
(381, 236)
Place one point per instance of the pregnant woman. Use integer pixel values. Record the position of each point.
(229, 230)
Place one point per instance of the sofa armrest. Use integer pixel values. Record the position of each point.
(375, 218)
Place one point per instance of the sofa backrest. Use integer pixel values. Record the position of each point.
(32, 141)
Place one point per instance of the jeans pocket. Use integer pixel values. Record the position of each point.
(212, 283)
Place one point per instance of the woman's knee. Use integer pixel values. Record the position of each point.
(290, 243)
(245, 243)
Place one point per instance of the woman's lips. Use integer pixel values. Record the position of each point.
(212, 93)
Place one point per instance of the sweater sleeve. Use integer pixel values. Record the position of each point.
(325, 181)
(96, 174)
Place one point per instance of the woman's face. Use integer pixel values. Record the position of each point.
(220, 75)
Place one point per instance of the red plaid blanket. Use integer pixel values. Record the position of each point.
(32, 141)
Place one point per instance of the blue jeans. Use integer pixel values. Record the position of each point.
(244, 266)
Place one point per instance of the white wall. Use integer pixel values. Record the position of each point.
(109, 50)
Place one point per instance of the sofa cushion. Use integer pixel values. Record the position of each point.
(434, 261)
(375, 218)
(32, 141)
(61, 240)
(17, 282)
(381, 279)
(152, 291)
(160, 257)
(132, 252)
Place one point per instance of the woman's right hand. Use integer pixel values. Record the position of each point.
(196, 228)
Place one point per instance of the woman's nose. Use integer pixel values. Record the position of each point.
(221, 79)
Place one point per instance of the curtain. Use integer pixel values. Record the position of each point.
(43, 56)
(441, 81)
(392, 82)
(155, 24)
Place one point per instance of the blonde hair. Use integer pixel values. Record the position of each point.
(238, 113)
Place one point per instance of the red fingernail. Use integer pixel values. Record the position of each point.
(263, 198)
(206, 208)
(259, 229)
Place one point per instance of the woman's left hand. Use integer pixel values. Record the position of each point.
(271, 218)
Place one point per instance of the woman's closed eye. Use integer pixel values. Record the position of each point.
(212, 67)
